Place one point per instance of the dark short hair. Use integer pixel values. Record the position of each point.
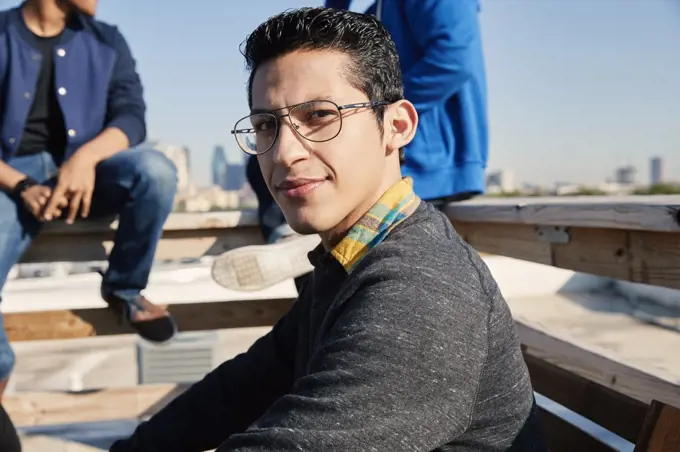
(374, 63)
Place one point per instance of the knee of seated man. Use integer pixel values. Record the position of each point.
(157, 171)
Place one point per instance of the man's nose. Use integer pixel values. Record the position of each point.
(290, 146)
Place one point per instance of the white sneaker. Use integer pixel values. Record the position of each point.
(257, 267)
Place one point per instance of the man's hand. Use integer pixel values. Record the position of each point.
(35, 198)
(75, 182)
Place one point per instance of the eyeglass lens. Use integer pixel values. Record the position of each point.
(316, 121)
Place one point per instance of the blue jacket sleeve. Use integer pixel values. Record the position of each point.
(443, 29)
(344, 4)
(126, 109)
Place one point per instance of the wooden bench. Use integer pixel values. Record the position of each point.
(635, 239)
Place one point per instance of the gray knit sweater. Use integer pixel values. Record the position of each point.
(413, 350)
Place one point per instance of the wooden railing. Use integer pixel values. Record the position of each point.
(634, 239)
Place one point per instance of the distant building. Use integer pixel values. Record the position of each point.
(236, 177)
(179, 155)
(219, 167)
(236, 169)
(625, 175)
(502, 181)
(656, 171)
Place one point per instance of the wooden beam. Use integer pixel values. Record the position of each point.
(185, 236)
(174, 244)
(175, 222)
(647, 213)
(639, 256)
(610, 409)
(622, 377)
(29, 409)
(69, 324)
(661, 432)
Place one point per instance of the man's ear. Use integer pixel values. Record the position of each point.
(400, 123)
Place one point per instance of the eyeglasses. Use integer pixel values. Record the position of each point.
(317, 121)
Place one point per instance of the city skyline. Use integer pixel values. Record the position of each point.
(576, 88)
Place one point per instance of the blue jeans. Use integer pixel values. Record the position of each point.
(138, 185)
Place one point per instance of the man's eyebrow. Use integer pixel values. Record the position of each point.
(254, 111)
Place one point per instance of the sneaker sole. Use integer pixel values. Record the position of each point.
(257, 267)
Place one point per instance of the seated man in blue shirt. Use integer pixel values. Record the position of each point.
(72, 112)
(441, 59)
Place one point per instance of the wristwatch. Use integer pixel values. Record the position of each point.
(22, 186)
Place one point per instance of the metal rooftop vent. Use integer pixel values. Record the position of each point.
(186, 359)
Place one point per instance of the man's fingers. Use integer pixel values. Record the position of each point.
(52, 205)
(35, 208)
(74, 207)
(86, 204)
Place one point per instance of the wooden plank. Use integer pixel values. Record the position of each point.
(649, 213)
(562, 436)
(68, 324)
(637, 256)
(175, 244)
(600, 368)
(175, 222)
(518, 241)
(185, 236)
(612, 410)
(661, 431)
(655, 258)
(49, 408)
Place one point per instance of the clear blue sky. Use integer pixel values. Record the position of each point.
(576, 87)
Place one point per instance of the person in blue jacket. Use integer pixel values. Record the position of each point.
(440, 50)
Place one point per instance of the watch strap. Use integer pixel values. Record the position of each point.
(22, 186)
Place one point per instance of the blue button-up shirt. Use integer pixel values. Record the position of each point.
(95, 79)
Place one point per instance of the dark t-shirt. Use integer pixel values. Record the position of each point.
(45, 129)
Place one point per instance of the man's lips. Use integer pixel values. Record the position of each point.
(298, 187)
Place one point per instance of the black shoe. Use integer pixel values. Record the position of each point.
(159, 329)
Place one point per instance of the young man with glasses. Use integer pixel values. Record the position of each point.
(401, 339)
(441, 58)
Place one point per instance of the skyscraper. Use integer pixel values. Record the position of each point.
(236, 169)
(625, 175)
(656, 170)
(219, 167)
